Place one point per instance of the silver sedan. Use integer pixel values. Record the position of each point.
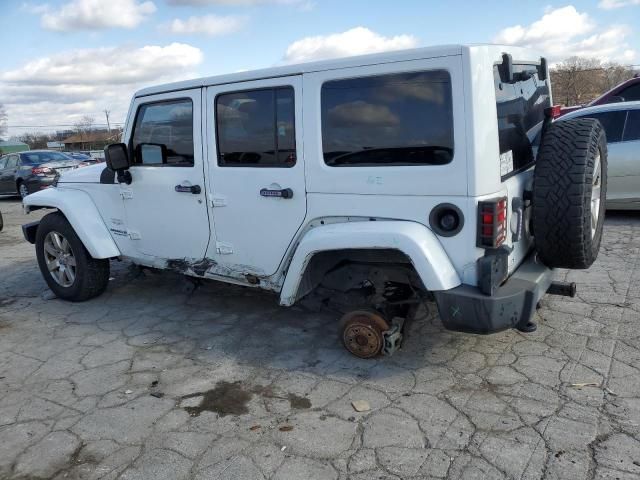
(621, 122)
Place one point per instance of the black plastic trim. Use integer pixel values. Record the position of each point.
(29, 231)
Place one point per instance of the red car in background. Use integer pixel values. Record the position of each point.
(628, 91)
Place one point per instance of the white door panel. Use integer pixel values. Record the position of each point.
(253, 229)
(161, 221)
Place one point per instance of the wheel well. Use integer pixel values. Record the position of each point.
(350, 269)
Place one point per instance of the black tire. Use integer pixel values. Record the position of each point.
(1, 222)
(22, 189)
(562, 193)
(91, 275)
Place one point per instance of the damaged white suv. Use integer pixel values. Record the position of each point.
(378, 181)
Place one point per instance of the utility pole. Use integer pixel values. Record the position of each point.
(106, 114)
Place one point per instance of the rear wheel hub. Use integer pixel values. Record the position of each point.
(362, 333)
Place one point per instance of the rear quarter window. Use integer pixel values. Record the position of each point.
(388, 120)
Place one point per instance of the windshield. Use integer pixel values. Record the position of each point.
(520, 104)
(42, 157)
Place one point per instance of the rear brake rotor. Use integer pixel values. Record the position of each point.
(362, 333)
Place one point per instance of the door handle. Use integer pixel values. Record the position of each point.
(195, 189)
(283, 193)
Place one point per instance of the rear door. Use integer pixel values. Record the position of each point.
(618, 153)
(256, 171)
(626, 161)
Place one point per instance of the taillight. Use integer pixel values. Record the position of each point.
(553, 112)
(492, 222)
(42, 171)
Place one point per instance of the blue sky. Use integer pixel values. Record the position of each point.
(62, 59)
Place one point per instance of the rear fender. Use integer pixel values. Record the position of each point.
(79, 209)
(416, 241)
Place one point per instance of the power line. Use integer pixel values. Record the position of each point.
(61, 125)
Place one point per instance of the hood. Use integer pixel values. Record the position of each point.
(89, 174)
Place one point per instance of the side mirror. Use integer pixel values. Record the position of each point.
(616, 99)
(117, 157)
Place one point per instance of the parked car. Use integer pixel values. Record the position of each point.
(399, 180)
(621, 122)
(28, 172)
(627, 91)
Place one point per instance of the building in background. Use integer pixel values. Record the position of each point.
(55, 146)
(10, 146)
(93, 140)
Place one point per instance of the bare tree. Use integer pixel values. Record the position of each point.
(83, 127)
(615, 74)
(3, 121)
(574, 80)
(579, 80)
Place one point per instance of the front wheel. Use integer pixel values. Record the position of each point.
(66, 265)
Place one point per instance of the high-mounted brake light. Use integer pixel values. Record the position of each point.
(553, 112)
(492, 222)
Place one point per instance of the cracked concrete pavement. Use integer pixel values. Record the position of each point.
(127, 386)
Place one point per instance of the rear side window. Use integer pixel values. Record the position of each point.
(631, 93)
(3, 162)
(613, 123)
(520, 104)
(256, 128)
(388, 120)
(163, 134)
(632, 129)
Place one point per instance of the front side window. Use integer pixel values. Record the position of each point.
(632, 129)
(613, 123)
(388, 120)
(3, 162)
(256, 128)
(163, 134)
(520, 104)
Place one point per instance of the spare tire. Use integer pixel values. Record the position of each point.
(569, 190)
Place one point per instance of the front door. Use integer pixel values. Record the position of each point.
(256, 167)
(8, 168)
(165, 204)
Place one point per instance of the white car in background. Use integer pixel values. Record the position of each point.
(621, 122)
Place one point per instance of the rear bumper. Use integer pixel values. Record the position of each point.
(467, 309)
(35, 184)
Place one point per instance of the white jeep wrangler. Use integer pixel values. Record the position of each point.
(379, 180)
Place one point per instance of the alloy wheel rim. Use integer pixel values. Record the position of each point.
(596, 188)
(23, 190)
(60, 260)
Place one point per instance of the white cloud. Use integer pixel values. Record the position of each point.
(207, 25)
(62, 88)
(611, 4)
(357, 41)
(36, 9)
(97, 14)
(566, 32)
(234, 3)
